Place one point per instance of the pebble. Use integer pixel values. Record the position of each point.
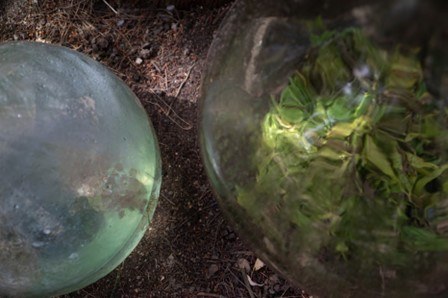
(243, 264)
(145, 53)
(212, 269)
(120, 23)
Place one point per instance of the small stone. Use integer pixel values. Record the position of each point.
(212, 269)
(139, 61)
(145, 53)
(170, 8)
(170, 261)
(243, 264)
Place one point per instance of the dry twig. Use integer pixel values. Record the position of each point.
(110, 6)
(184, 81)
(184, 125)
(247, 284)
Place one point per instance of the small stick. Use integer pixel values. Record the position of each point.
(247, 284)
(184, 81)
(155, 66)
(110, 6)
(184, 125)
(166, 80)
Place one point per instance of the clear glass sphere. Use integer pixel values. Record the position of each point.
(324, 132)
(80, 170)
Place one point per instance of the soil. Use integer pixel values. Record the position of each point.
(190, 250)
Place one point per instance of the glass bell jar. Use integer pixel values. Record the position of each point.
(324, 133)
(80, 170)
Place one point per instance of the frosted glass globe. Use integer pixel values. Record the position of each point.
(80, 170)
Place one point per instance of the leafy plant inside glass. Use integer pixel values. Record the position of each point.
(344, 185)
(350, 154)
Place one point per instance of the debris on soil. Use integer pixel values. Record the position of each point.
(258, 264)
(189, 249)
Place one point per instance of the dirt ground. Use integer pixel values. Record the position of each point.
(190, 250)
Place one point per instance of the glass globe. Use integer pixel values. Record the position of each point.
(324, 134)
(80, 170)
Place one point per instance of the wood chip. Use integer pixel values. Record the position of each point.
(258, 264)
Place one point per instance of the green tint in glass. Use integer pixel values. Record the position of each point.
(325, 135)
(80, 170)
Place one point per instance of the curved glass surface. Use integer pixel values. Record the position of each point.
(324, 134)
(80, 170)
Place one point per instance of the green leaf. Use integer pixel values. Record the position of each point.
(424, 240)
(373, 154)
(421, 183)
(330, 154)
(375, 58)
(420, 164)
(331, 70)
(405, 72)
(397, 165)
(432, 126)
(342, 130)
(318, 32)
(340, 110)
(342, 248)
(365, 103)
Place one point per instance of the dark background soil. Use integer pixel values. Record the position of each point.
(190, 250)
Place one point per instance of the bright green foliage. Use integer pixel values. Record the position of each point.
(351, 157)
